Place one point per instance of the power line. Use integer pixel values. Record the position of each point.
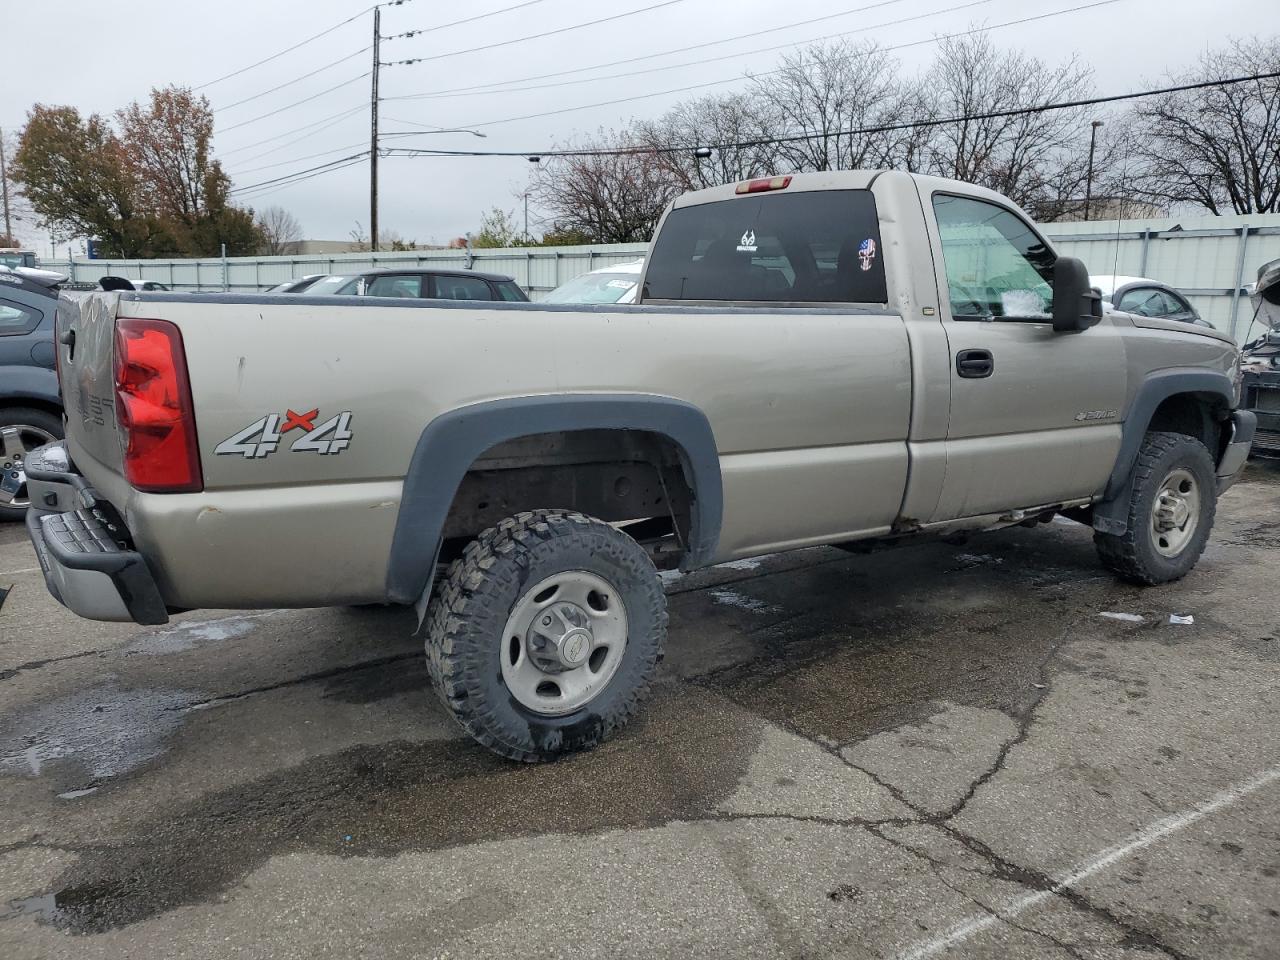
(289, 83)
(766, 73)
(287, 133)
(299, 175)
(600, 152)
(506, 87)
(457, 23)
(306, 136)
(879, 128)
(532, 36)
(291, 160)
(296, 103)
(741, 53)
(276, 56)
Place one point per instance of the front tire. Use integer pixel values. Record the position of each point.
(1173, 500)
(545, 635)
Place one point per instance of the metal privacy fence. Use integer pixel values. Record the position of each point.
(1210, 259)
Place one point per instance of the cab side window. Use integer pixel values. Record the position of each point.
(996, 265)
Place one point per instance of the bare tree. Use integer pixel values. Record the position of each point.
(610, 197)
(16, 212)
(281, 231)
(1217, 147)
(835, 98)
(998, 144)
(359, 238)
(720, 121)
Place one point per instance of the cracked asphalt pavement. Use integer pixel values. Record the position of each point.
(934, 751)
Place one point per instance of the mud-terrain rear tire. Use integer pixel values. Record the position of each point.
(544, 637)
(1172, 504)
(22, 429)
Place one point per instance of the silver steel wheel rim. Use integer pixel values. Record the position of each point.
(563, 642)
(1175, 513)
(15, 443)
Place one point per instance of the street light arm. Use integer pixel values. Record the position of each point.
(423, 133)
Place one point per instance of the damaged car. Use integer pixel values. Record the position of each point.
(1261, 362)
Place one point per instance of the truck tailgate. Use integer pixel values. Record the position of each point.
(85, 337)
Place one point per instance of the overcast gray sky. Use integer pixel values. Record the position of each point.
(99, 56)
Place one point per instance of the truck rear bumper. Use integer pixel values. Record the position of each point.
(1243, 423)
(84, 548)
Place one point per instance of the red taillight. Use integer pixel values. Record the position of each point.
(764, 184)
(153, 408)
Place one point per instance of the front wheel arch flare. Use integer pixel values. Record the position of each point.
(1110, 514)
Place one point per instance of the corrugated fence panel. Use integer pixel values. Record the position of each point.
(1208, 258)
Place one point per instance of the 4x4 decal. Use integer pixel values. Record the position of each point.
(264, 436)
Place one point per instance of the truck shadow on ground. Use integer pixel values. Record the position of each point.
(834, 650)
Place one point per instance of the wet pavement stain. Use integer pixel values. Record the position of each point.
(836, 651)
(405, 677)
(192, 633)
(678, 762)
(103, 731)
(876, 642)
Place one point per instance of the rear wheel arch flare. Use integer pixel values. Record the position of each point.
(453, 441)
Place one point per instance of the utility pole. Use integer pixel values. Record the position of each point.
(4, 186)
(1088, 183)
(373, 132)
(526, 218)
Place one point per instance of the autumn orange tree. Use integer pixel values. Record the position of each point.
(73, 173)
(148, 186)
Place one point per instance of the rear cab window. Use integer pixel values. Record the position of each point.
(819, 246)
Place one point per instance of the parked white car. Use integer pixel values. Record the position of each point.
(1147, 298)
(612, 284)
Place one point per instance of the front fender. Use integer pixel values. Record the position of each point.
(453, 441)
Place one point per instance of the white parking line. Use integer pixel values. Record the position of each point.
(1137, 841)
(14, 573)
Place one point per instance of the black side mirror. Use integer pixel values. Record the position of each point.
(1076, 305)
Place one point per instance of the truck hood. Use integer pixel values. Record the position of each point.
(1178, 326)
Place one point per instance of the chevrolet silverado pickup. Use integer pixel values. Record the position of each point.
(850, 358)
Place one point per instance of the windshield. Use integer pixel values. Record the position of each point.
(338, 284)
(596, 288)
(17, 260)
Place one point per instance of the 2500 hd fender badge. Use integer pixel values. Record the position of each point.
(264, 436)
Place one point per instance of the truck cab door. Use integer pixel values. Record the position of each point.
(1035, 414)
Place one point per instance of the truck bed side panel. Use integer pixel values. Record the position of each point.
(810, 402)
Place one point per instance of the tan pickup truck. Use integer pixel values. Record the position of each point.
(824, 358)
